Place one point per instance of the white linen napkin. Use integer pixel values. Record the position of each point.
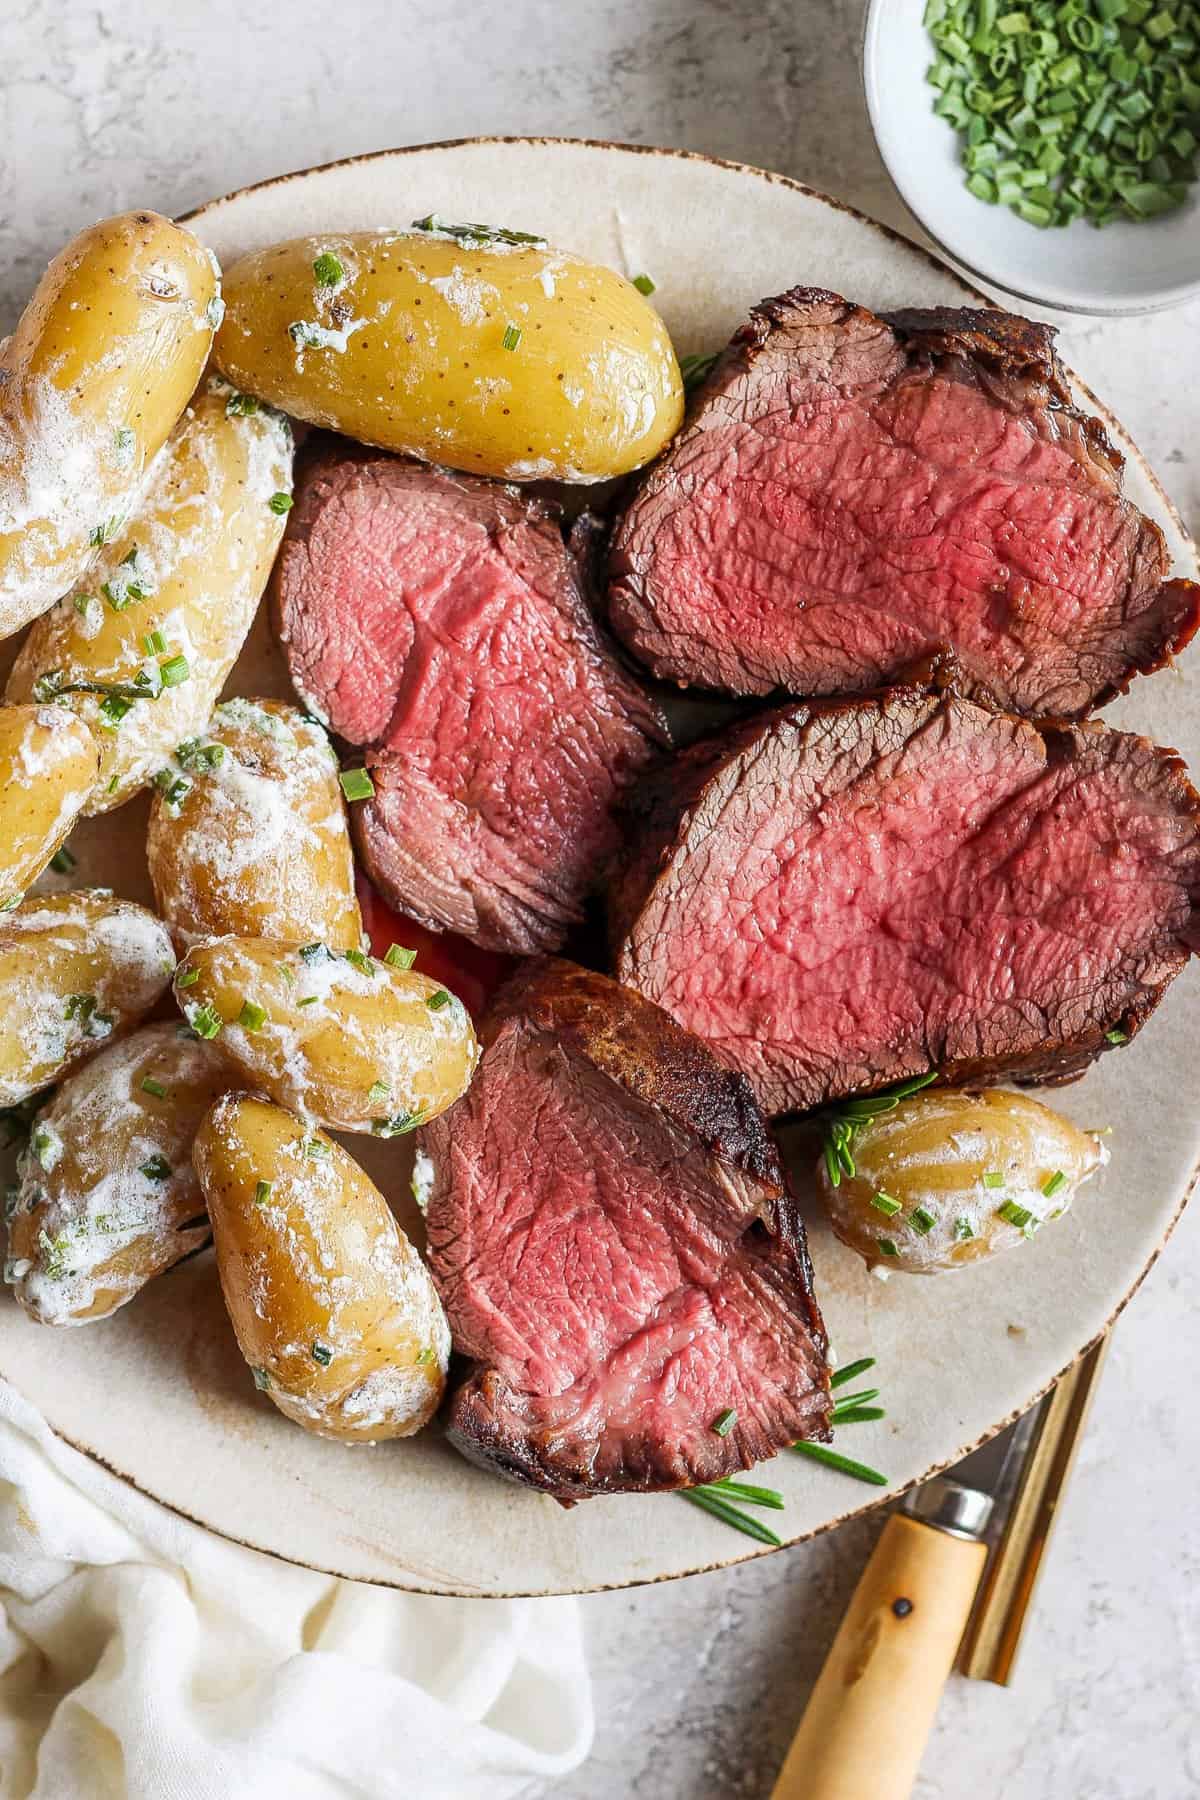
(141, 1658)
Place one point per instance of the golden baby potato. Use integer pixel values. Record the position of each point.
(141, 649)
(75, 970)
(333, 1308)
(479, 349)
(339, 1036)
(248, 832)
(101, 365)
(107, 1196)
(945, 1178)
(48, 767)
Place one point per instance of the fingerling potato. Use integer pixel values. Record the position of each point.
(248, 832)
(107, 1196)
(48, 767)
(75, 970)
(92, 380)
(339, 1037)
(141, 650)
(503, 358)
(947, 1178)
(333, 1308)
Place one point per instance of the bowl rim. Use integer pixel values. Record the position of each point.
(1082, 301)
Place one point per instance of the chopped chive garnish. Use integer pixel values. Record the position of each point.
(832, 1459)
(112, 710)
(312, 953)
(643, 284)
(358, 959)
(963, 1229)
(262, 1380)
(281, 503)
(1054, 1184)
(157, 1168)
(308, 1000)
(851, 1372)
(80, 1009)
(175, 671)
(512, 337)
(240, 406)
(992, 1178)
(317, 1150)
(62, 862)
(252, 1016)
(186, 978)
(377, 1093)
(328, 270)
(1117, 1037)
(356, 784)
(922, 1220)
(154, 643)
(435, 1002)
(400, 1125)
(151, 1086)
(262, 1192)
(725, 1421)
(885, 1204)
(887, 1247)
(321, 1353)
(426, 1354)
(1015, 1214)
(400, 958)
(205, 1021)
(720, 1506)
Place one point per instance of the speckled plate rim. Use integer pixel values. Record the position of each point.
(743, 1552)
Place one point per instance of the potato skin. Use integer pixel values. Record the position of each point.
(366, 1028)
(333, 1308)
(96, 1214)
(191, 563)
(76, 970)
(48, 766)
(936, 1151)
(407, 351)
(252, 840)
(92, 380)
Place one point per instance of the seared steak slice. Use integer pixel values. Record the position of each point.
(851, 493)
(845, 894)
(618, 1251)
(439, 621)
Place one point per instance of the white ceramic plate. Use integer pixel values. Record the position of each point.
(1126, 268)
(159, 1392)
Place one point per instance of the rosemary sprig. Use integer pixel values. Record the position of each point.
(833, 1459)
(694, 369)
(842, 1122)
(713, 1500)
(857, 1415)
(851, 1372)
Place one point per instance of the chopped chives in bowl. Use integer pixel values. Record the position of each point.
(1071, 109)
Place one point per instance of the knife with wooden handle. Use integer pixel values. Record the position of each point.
(866, 1725)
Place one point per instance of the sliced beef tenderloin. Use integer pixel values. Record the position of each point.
(618, 1251)
(845, 894)
(439, 622)
(852, 492)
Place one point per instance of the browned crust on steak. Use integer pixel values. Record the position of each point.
(662, 813)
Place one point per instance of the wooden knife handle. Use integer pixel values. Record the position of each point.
(866, 1725)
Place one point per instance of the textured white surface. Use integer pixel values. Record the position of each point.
(699, 1683)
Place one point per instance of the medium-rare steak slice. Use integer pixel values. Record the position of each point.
(852, 493)
(618, 1251)
(439, 621)
(845, 894)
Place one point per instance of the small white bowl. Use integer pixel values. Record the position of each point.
(1125, 268)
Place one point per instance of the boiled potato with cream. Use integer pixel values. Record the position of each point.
(75, 970)
(480, 349)
(107, 1196)
(945, 1178)
(333, 1308)
(359, 1044)
(248, 832)
(48, 767)
(99, 368)
(142, 648)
